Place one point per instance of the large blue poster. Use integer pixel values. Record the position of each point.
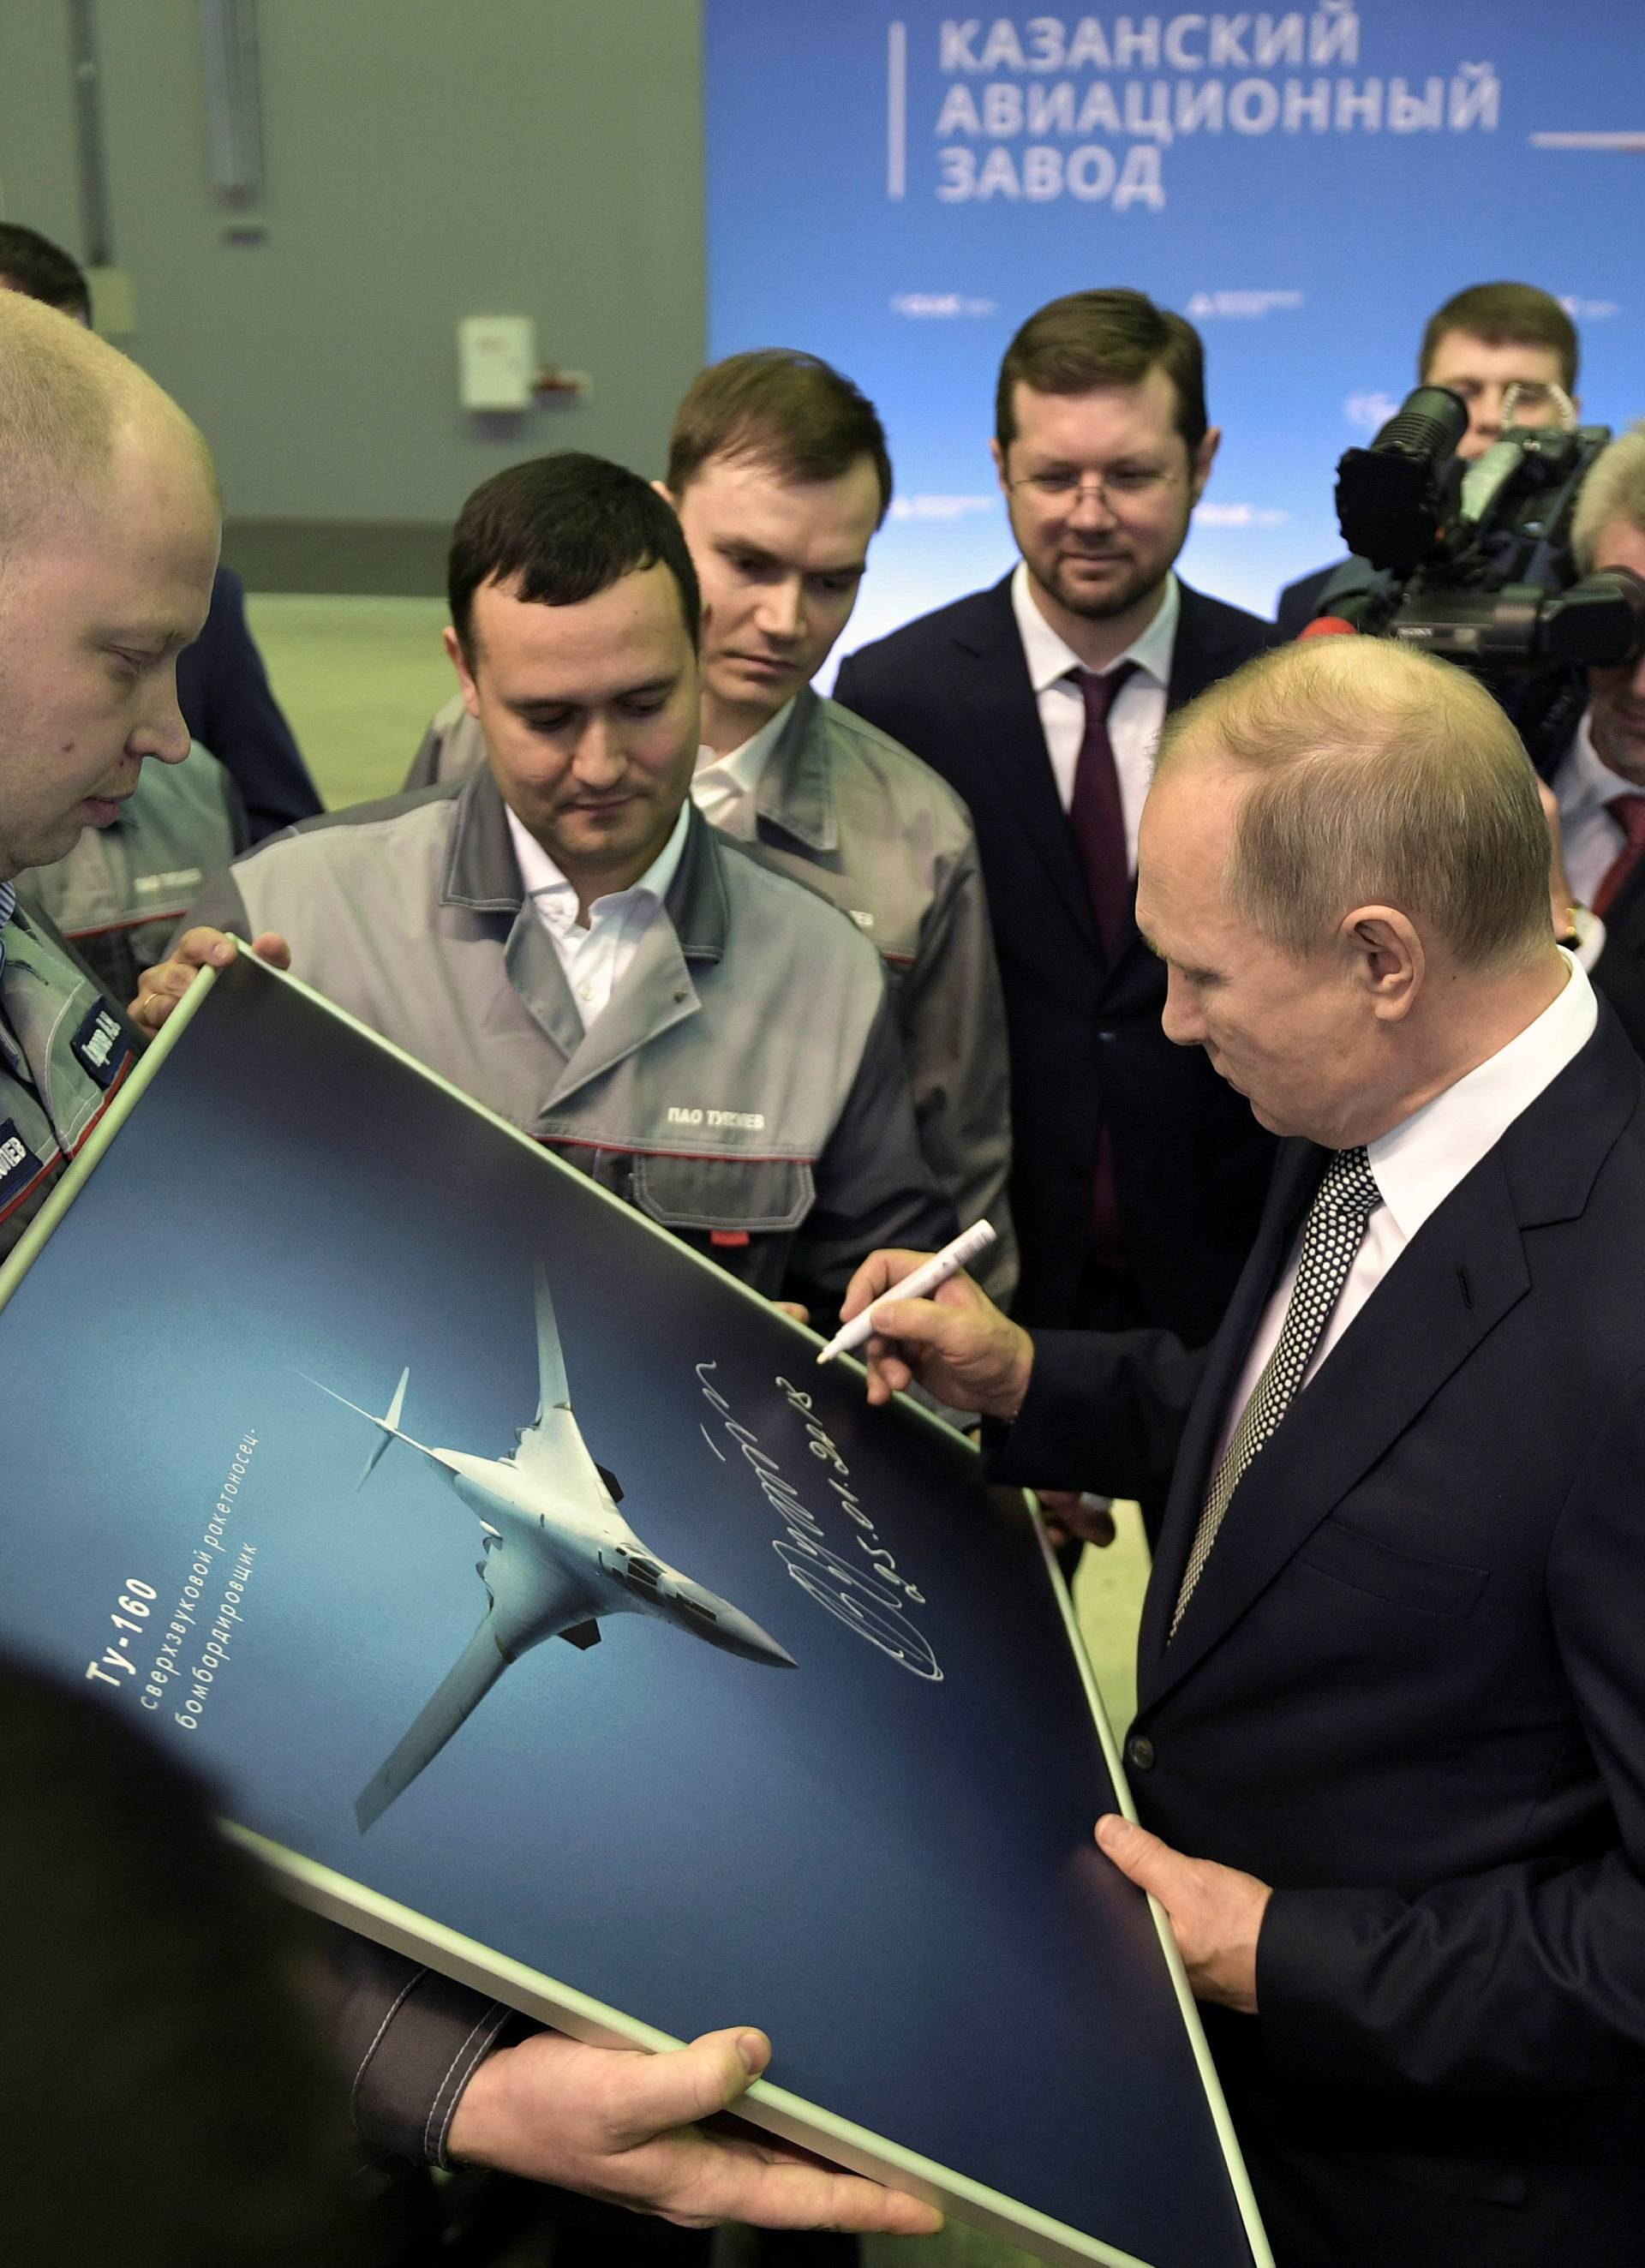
(524, 1579)
(895, 185)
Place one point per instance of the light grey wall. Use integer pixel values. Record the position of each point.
(426, 159)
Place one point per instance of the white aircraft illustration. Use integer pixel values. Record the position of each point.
(559, 1556)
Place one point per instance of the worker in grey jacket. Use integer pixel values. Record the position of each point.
(562, 936)
(778, 470)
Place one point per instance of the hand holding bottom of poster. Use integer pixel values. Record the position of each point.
(1216, 1912)
(624, 2125)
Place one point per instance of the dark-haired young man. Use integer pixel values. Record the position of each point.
(1481, 342)
(1137, 1178)
(778, 468)
(562, 936)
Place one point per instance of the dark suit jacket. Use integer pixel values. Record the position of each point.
(1619, 971)
(1409, 1691)
(223, 692)
(1298, 600)
(1087, 1047)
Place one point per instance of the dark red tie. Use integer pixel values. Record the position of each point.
(1628, 811)
(1096, 813)
(1097, 818)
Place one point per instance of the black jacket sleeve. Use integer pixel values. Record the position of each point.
(410, 2040)
(1104, 1410)
(223, 692)
(873, 1187)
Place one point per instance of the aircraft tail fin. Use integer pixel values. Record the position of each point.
(471, 1677)
(390, 1424)
(553, 1390)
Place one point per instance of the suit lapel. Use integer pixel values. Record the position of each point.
(1297, 1176)
(1416, 1329)
(995, 695)
(1202, 653)
(1462, 1272)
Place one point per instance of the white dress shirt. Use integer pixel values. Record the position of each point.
(1419, 1163)
(596, 959)
(1138, 714)
(724, 788)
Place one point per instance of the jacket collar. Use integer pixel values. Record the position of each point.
(483, 874)
(796, 789)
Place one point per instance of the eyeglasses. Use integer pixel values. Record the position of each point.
(1127, 484)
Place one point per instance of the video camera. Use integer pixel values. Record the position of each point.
(1474, 561)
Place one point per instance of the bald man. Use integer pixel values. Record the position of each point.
(1389, 1739)
(109, 543)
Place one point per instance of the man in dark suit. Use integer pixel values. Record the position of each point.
(1137, 1179)
(1598, 785)
(1481, 342)
(1391, 1688)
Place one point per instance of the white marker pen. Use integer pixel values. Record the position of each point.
(918, 1286)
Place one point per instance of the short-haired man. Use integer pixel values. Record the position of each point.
(108, 541)
(222, 689)
(1391, 1694)
(778, 470)
(1481, 342)
(1600, 782)
(1137, 1180)
(560, 934)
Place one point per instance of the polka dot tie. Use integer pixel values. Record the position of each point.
(1344, 1201)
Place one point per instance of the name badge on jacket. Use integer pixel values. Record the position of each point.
(100, 1046)
(20, 1165)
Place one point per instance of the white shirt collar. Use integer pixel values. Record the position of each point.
(741, 769)
(541, 876)
(1419, 1162)
(1050, 657)
(1585, 782)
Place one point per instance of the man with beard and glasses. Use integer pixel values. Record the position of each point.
(1137, 1179)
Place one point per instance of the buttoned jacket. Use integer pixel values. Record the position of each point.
(1408, 1688)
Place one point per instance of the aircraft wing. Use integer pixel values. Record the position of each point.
(553, 1390)
(529, 1601)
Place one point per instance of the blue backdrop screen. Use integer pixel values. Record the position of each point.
(896, 186)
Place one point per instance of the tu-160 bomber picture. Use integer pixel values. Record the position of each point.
(558, 1556)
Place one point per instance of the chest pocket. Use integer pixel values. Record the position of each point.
(1433, 1587)
(760, 1195)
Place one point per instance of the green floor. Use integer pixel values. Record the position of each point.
(359, 679)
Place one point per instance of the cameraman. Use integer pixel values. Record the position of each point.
(1598, 785)
(1481, 342)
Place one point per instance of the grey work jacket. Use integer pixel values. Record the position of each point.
(744, 1087)
(119, 894)
(63, 1051)
(857, 818)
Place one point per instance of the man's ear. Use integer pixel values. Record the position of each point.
(1204, 458)
(662, 489)
(465, 675)
(998, 455)
(1389, 959)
